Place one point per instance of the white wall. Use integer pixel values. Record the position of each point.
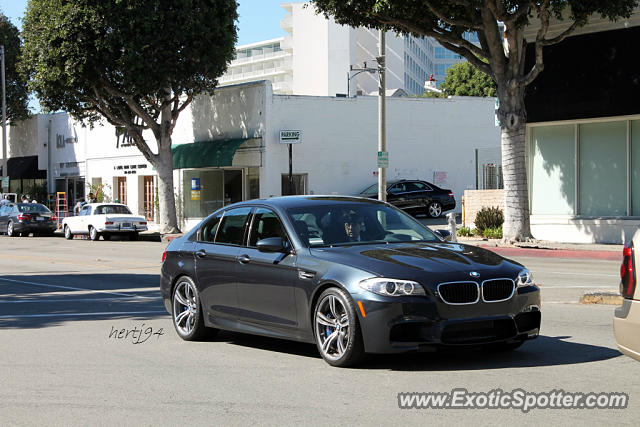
(340, 140)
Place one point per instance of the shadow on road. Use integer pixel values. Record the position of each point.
(543, 351)
(35, 301)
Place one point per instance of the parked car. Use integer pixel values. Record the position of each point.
(626, 321)
(350, 274)
(415, 197)
(22, 219)
(104, 219)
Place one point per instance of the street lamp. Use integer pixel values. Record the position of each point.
(364, 69)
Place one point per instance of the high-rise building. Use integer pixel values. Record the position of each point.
(316, 57)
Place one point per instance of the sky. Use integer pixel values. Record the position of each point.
(258, 19)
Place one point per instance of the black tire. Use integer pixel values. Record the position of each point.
(186, 311)
(67, 233)
(502, 347)
(106, 236)
(133, 236)
(353, 352)
(11, 232)
(434, 210)
(93, 233)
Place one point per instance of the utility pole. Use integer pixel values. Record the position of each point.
(383, 156)
(4, 116)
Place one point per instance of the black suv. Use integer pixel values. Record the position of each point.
(415, 197)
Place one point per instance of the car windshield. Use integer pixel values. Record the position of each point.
(33, 208)
(354, 223)
(370, 190)
(111, 209)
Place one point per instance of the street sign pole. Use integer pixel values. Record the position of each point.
(382, 137)
(5, 172)
(290, 169)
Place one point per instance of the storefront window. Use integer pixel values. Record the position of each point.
(635, 167)
(253, 178)
(553, 170)
(203, 192)
(603, 169)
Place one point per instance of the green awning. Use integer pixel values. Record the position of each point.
(205, 154)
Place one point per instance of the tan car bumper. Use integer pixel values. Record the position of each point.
(626, 326)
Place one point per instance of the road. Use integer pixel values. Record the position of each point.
(63, 305)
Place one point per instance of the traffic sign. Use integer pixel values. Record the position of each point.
(383, 159)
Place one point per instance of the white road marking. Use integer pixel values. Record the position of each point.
(578, 274)
(72, 300)
(73, 288)
(105, 313)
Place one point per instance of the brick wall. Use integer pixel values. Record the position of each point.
(474, 200)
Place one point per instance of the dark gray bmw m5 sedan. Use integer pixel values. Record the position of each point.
(353, 275)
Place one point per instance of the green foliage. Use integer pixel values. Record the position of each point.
(15, 83)
(463, 79)
(96, 58)
(488, 217)
(464, 232)
(493, 233)
(100, 192)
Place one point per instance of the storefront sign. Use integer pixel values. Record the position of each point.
(195, 194)
(5, 183)
(61, 141)
(290, 137)
(195, 184)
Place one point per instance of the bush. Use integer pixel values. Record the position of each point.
(464, 231)
(492, 233)
(489, 218)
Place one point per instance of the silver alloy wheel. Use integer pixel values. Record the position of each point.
(10, 229)
(93, 234)
(67, 233)
(332, 327)
(435, 209)
(185, 307)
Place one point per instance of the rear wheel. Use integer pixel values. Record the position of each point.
(336, 329)
(67, 233)
(93, 233)
(106, 236)
(187, 311)
(10, 230)
(435, 209)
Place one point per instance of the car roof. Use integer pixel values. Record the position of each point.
(105, 204)
(286, 202)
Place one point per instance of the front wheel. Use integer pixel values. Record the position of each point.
(336, 329)
(106, 236)
(435, 209)
(187, 311)
(10, 230)
(67, 233)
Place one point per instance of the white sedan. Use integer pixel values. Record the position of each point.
(104, 219)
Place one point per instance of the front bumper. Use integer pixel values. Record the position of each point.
(626, 327)
(424, 323)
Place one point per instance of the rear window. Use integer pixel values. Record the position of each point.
(111, 209)
(33, 208)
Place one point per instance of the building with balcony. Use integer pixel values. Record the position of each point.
(316, 56)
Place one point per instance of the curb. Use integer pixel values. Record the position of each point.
(601, 297)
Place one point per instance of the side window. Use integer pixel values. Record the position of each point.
(398, 188)
(411, 186)
(232, 226)
(422, 186)
(85, 210)
(208, 231)
(265, 224)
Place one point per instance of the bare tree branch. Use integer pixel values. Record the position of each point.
(562, 35)
(543, 14)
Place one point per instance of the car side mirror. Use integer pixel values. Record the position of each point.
(272, 244)
(445, 234)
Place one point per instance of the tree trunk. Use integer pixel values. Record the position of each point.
(512, 116)
(166, 193)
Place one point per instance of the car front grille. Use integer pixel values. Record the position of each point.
(459, 292)
(495, 290)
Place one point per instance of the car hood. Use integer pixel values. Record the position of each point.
(435, 262)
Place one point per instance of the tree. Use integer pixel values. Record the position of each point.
(17, 94)
(137, 63)
(501, 58)
(463, 79)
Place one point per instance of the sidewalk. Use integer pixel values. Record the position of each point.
(543, 248)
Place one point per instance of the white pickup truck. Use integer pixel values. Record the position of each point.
(104, 219)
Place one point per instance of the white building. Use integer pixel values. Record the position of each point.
(316, 56)
(227, 148)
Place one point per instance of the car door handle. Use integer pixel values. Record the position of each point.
(243, 259)
(201, 253)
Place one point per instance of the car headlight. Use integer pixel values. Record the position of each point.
(392, 287)
(525, 278)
